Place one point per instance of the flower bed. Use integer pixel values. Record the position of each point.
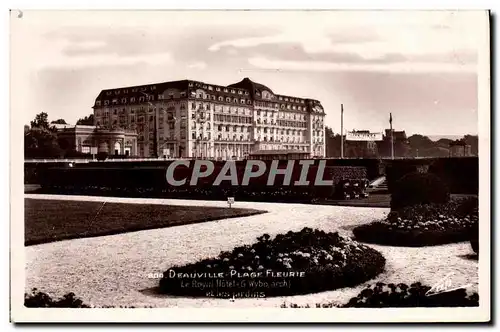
(383, 295)
(423, 225)
(302, 262)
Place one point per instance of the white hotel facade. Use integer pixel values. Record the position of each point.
(190, 119)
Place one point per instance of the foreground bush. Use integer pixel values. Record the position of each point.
(37, 299)
(419, 188)
(383, 295)
(293, 263)
(423, 225)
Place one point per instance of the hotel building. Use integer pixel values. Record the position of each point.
(191, 119)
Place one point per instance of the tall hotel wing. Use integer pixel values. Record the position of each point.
(190, 119)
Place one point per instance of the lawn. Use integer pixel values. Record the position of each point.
(113, 271)
(55, 220)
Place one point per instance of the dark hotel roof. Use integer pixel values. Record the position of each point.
(250, 86)
(245, 89)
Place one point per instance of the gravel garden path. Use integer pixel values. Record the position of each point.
(112, 270)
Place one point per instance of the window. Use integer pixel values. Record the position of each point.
(228, 99)
(86, 149)
(106, 102)
(108, 93)
(98, 103)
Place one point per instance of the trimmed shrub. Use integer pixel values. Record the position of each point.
(383, 295)
(319, 261)
(419, 188)
(37, 299)
(394, 171)
(460, 174)
(422, 225)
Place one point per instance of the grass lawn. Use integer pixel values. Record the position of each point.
(55, 220)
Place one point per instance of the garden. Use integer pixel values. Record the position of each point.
(296, 255)
(422, 214)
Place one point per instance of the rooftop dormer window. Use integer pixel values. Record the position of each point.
(153, 87)
(225, 90)
(108, 93)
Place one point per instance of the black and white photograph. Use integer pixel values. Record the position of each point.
(297, 165)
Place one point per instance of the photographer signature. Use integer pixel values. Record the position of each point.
(444, 286)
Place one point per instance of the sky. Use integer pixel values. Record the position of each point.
(422, 66)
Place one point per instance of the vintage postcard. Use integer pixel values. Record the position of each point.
(250, 166)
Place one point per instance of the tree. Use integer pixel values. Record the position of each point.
(41, 121)
(332, 143)
(473, 141)
(420, 145)
(40, 140)
(86, 121)
(59, 121)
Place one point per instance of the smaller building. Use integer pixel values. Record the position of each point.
(361, 148)
(89, 139)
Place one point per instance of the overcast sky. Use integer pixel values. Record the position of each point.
(421, 66)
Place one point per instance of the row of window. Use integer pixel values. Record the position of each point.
(221, 98)
(218, 89)
(282, 106)
(232, 119)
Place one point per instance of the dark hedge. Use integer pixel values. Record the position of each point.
(148, 179)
